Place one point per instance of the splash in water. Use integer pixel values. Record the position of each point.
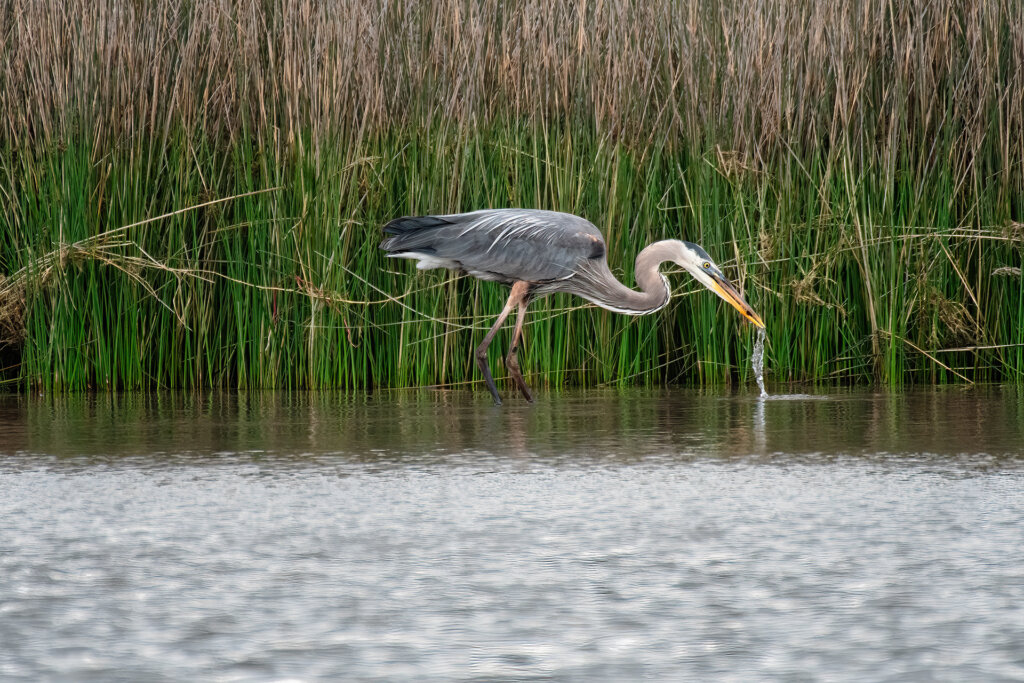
(757, 360)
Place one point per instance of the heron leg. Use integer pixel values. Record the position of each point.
(512, 360)
(519, 291)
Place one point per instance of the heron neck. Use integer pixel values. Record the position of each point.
(654, 288)
(653, 285)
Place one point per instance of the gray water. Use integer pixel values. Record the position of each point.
(597, 536)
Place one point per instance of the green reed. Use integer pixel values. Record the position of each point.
(207, 214)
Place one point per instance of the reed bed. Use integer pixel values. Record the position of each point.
(192, 193)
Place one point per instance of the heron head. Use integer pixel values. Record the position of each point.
(700, 265)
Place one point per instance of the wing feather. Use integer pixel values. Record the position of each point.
(499, 244)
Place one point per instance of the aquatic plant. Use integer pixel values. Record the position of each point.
(191, 194)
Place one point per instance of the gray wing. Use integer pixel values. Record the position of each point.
(499, 244)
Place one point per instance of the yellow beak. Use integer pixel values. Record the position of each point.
(727, 291)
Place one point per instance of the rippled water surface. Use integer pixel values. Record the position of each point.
(592, 536)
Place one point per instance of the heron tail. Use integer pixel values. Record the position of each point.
(406, 224)
(408, 233)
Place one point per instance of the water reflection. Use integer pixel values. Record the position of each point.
(595, 536)
(598, 426)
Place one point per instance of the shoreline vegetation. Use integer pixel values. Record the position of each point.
(191, 194)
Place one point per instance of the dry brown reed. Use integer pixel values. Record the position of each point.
(862, 77)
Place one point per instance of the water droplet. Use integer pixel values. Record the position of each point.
(757, 360)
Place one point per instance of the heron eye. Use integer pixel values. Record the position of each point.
(707, 266)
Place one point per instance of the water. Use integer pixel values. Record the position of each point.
(598, 536)
(757, 361)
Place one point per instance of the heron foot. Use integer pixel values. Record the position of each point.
(518, 297)
(512, 365)
(481, 362)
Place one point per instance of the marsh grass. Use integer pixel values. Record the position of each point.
(192, 194)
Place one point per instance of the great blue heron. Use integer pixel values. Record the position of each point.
(541, 252)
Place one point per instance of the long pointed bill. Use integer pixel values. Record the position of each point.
(727, 291)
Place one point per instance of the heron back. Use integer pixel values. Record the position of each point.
(498, 244)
